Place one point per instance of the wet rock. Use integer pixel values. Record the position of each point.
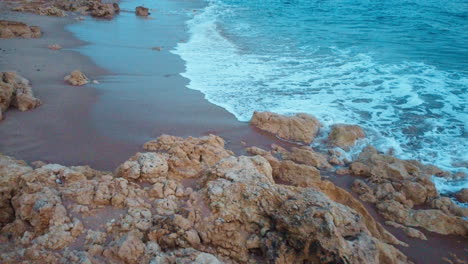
(76, 78)
(300, 127)
(103, 10)
(345, 136)
(462, 195)
(14, 29)
(141, 11)
(16, 91)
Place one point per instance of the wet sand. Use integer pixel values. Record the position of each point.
(140, 96)
(102, 125)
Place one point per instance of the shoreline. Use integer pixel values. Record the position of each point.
(79, 142)
(68, 129)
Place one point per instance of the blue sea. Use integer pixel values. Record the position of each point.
(398, 68)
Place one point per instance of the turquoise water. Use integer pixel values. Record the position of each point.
(397, 68)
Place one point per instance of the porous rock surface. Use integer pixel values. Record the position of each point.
(76, 78)
(300, 127)
(184, 201)
(403, 192)
(16, 91)
(14, 29)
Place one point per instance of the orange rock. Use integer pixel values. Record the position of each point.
(300, 127)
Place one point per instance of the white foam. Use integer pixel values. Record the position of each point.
(339, 87)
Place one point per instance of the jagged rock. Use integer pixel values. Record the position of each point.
(16, 91)
(396, 186)
(14, 29)
(141, 11)
(144, 167)
(301, 127)
(209, 206)
(462, 195)
(188, 157)
(345, 136)
(76, 78)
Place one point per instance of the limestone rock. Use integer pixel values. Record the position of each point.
(13, 29)
(345, 136)
(301, 127)
(144, 167)
(16, 91)
(76, 78)
(141, 11)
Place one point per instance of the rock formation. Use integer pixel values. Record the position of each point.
(16, 91)
(184, 201)
(59, 8)
(345, 136)
(14, 29)
(141, 11)
(76, 78)
(300, 127)
(398, 186)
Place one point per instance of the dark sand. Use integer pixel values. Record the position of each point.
(102, 125)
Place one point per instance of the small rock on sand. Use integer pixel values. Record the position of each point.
(76, 78)
(141, 11)
(55, 47)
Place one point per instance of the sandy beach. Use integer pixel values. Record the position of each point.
(140, 95)
(102, 125)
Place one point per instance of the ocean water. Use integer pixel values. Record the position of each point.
(398, 68)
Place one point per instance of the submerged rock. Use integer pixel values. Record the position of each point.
(141, 11)
(14, 29)
(199, 204)
(16, 91)
(345, 136)
(76, 78)
(300, 127)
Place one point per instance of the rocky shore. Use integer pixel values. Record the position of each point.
(193, 200)
(190, 200)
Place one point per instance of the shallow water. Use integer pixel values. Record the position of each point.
(397, 68)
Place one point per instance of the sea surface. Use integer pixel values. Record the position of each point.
(398, 68)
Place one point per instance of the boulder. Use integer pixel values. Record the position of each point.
(14, 29)
(144, 167)
(141, 11)
(345, 136)
(300, 127)
(16, 91)
(76, 78)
